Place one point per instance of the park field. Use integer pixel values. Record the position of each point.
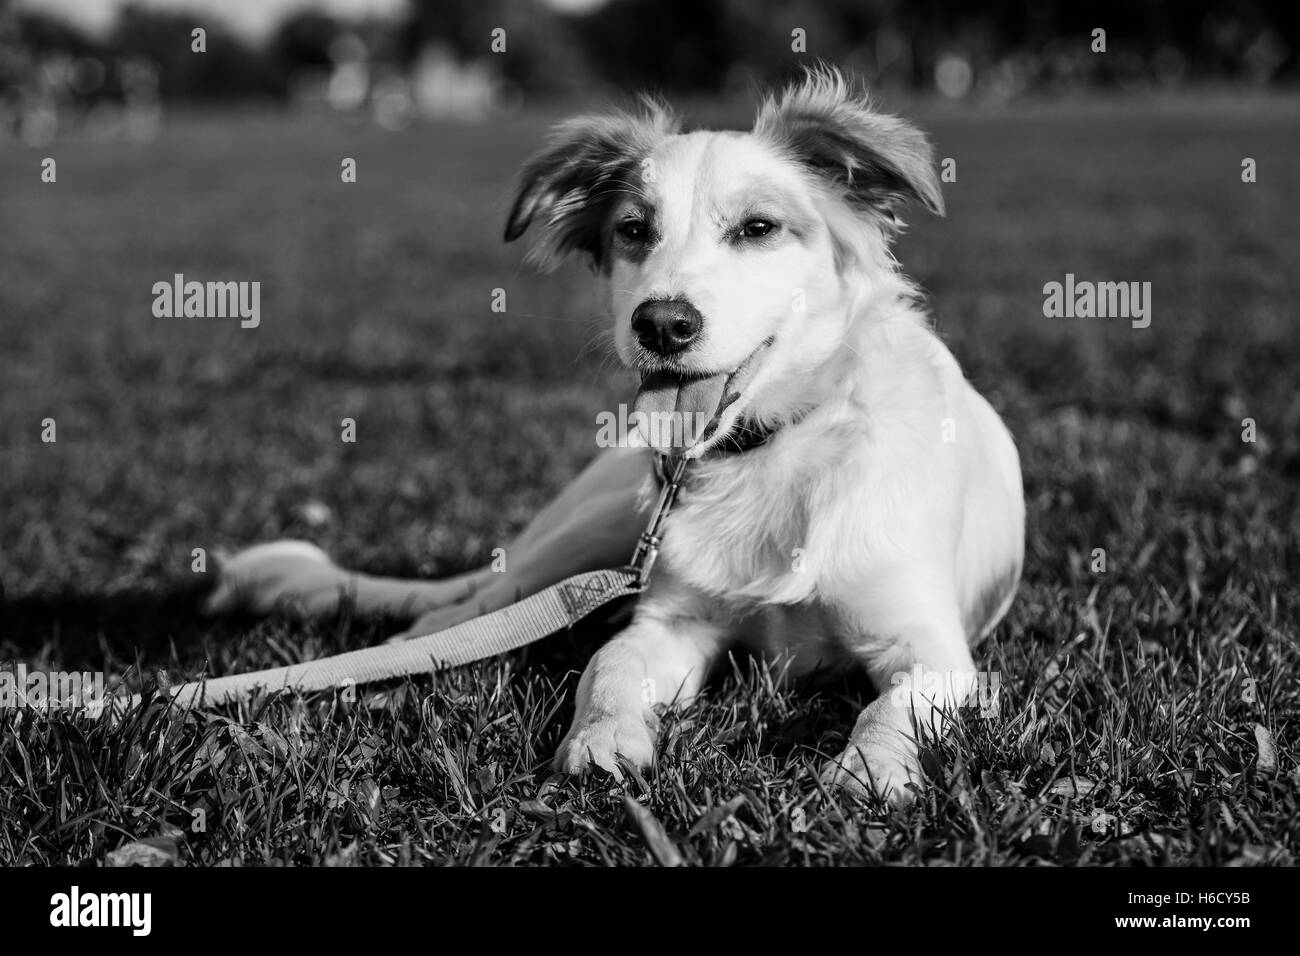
(1148, 712)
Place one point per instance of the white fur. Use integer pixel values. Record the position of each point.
(859, 532)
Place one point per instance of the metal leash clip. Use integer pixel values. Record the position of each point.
(647, 546)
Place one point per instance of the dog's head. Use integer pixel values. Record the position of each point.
(732, 259)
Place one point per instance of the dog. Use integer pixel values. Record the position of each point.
(852, 501)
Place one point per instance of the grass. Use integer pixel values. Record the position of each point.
(1130, 700)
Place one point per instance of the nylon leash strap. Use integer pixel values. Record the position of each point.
(527, 621)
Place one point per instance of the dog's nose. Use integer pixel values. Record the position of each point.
(666, 326)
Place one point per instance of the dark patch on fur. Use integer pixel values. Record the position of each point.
(616, 247)
(878, 160)
(575, 182)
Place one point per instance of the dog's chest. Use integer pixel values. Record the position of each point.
(739, 532)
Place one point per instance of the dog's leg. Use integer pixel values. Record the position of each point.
(920, 661)
(662, 657)
(593, 523)
(299, 580)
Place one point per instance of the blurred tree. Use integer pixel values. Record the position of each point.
(229, 70)
(303, 39)
(544, 52)
(664, 44)
(41, 33)
(999, 46)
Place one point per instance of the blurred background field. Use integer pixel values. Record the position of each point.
(175, 434)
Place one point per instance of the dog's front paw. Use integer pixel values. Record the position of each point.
(599, 741)
(293, 578)
(864, 771)
(881, 758)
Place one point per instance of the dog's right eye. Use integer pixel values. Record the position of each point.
(633, 230)
(757, 229)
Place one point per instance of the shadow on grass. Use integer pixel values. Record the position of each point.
(160, 628)
(79, 631)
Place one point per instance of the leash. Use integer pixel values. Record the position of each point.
(552, 609)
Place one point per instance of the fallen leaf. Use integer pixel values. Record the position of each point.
(366, 799)
(315, 513)
(1073, 787)
(156, 851)
(1266, 762)
(1101, 822)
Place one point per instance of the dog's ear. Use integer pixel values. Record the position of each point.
(571, 184)
(878, 160)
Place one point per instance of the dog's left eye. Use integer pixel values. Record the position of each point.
(633, 230)
(757, 228)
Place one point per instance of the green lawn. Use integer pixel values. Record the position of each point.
(176, 434)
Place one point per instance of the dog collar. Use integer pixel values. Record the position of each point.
(745, 438)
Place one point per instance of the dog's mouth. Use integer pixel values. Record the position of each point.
(686, 412)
